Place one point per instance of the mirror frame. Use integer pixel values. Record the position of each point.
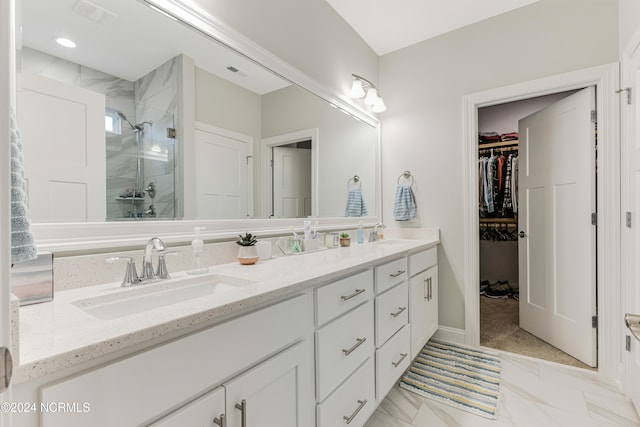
(106, 236)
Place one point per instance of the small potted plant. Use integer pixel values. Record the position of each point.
(345, 240)
(247, 252)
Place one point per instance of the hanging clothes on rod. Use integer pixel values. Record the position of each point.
(497, 178)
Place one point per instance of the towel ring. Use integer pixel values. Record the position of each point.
(406, 175)
(356, 180)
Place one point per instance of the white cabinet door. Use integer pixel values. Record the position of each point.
(200, 413)
(423, 308)
(274, 393)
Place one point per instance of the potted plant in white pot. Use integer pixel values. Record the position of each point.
(247, 253)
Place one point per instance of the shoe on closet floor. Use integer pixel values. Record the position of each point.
(484, 285)
(498, 290)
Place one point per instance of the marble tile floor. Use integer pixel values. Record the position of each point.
(533, 393)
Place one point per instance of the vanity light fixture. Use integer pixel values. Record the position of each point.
(62, 41)
(362, 87)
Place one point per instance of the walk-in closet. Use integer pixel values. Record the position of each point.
(498, 167)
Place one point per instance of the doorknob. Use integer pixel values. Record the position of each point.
(632, 321)
(522, 234)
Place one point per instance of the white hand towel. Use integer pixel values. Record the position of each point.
(22, 247)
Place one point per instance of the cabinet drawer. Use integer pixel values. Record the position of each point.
(390, 274)
(391, 361)
(354, 399)
(423, 260)
(200, 412)
(341, 346)
(392, 312)
(339, 297)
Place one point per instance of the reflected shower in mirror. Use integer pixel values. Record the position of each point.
(148, 119)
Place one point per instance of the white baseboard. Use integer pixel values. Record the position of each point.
(453, 335)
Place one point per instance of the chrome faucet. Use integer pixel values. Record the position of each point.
(147, 264)
(373, 235)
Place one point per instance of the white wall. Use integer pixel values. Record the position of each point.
(629, 16)
(423, 87)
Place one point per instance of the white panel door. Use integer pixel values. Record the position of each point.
(222, 176)
(291, 182)
(64, 150)
(631, 266)
(557, 250)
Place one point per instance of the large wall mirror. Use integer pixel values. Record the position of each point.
(150, 119)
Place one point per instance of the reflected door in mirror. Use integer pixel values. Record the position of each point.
(62, 130)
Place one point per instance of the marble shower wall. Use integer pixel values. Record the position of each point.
(156, 99)
(151, 98)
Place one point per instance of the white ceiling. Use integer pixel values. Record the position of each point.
(388, 25)
(133, 43)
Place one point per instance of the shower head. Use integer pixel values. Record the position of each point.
(136, 128)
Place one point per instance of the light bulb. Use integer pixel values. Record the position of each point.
(379, 106)
(357, 91)
(372, 96)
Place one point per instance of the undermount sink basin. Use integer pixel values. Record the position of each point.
(151, 296)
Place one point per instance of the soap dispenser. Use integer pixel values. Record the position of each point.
(360, 233)
(197, 245)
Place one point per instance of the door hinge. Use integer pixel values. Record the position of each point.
(594, 218)
(628, 90)
(627, 342)
(6, 368)
(594, 116)
(628, 219)
(171, 133)
(594, 321)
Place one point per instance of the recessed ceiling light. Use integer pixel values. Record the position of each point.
(65, 42)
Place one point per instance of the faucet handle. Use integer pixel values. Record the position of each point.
(130, 274)
(161, 271)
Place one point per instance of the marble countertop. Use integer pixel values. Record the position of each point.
(60, 334)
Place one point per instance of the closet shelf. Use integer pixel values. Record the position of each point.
(498, 144)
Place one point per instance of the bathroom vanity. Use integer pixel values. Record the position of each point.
(300, 340)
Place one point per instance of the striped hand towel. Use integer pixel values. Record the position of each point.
(404, 207)
(355, 203)
(22, 247)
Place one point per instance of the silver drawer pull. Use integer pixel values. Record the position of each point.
(361, 404)
(222, 421)
(397, 273)
(402, 357)
(242, 406)
(356, 345)
(399, 312)
(355, 294)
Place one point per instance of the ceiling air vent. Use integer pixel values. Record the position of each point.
(94, 12)
(237, 71)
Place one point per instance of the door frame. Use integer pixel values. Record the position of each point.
(7, 103)
(605, 78)
(265, 167)
(626, 141)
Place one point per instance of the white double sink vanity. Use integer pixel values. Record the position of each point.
(315, 339)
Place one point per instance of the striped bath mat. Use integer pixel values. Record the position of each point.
(462, 377)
